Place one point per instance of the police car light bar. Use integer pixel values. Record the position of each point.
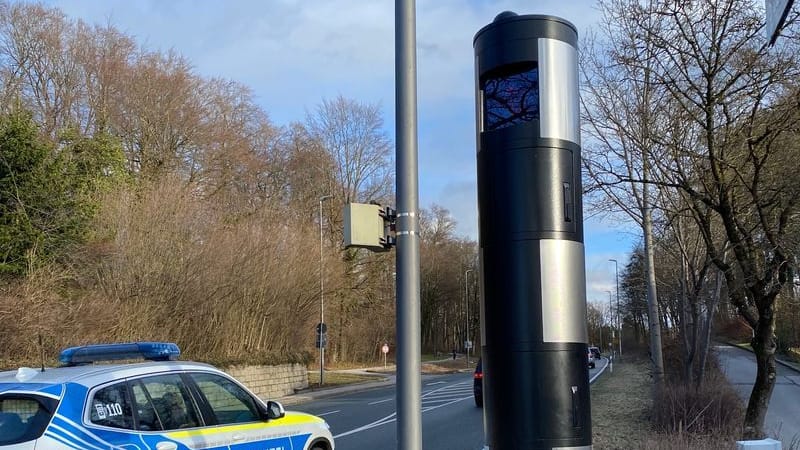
(87, 354)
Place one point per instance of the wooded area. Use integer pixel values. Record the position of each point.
(140, 200)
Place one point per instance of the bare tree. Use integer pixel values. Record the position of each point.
(351, 132)
(734, 103)
(359, 150)
(620, 109)
(445, 261)
(36, 47)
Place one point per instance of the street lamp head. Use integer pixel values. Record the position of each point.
(325, 197)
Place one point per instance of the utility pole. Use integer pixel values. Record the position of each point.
(409, 383)
(466, 327)
(619, 317)
(611, 313)
(321, 327)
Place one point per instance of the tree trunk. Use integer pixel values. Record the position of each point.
(764, 345)
(686, 326)
(711, 307)
(656, 356)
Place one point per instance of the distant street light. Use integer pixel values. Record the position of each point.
(466, 328)
(611, 313)
(619, 319)
(322, 329)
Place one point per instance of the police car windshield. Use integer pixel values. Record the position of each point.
(23, 418)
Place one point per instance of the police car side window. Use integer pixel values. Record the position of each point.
(229, 402)
(172, 406)
(110, 407)
(146, 416)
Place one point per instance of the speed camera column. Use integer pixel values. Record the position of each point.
(533, 295)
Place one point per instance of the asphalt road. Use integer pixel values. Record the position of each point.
(367, 419)
(782, 421)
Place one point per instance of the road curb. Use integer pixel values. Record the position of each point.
(310, 395)
(779, 361)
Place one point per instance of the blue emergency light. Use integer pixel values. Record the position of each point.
(151, 351)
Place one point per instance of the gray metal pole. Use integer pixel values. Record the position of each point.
(321, 295)
(409, 384)
(619, 317)
(466, 327)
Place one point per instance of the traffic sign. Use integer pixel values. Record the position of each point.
(468, 344)
(385, 348)
(322, 327)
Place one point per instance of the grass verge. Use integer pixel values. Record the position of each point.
(621, 406)
(334, 379)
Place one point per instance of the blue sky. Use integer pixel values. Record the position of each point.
(294, 53)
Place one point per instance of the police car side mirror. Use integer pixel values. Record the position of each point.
(275, 410)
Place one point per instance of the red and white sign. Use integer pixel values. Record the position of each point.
(385, 348)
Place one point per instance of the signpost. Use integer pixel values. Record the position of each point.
(385, 350)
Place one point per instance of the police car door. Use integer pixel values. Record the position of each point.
(168, 417)
(240, 416)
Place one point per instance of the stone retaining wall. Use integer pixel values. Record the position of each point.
(269, 382)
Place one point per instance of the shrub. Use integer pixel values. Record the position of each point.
(734, 329)
(712, 408)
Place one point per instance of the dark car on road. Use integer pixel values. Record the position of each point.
(595, 351)
(477, 385)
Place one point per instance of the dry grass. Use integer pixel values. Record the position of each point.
(621, 406)
(622, 414)
(334, 379)
(449, 366)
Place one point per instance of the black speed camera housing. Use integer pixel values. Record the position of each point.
(533, 303)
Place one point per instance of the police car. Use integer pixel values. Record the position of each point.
(162, 404)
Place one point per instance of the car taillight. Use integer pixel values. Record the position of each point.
(478, 375)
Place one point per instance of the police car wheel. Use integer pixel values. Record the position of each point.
(319, 446)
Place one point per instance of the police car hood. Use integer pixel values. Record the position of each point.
(296, 417)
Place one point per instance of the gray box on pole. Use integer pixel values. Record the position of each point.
(533, 296)
(363, 226)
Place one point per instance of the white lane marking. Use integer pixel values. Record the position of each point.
(599, 372)
(425, 397)
(329, 412)
(388, 419)
(381, 401)
(435, 383)
(443, 400)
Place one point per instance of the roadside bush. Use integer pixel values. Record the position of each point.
(734, 329)
(711, 409)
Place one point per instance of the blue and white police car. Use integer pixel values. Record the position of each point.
(161, 404)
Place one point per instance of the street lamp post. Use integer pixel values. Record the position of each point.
(619, 318)
(466, 295)
(611, 313)
(322, 329)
